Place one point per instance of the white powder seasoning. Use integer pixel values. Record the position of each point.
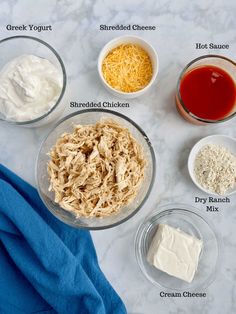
(215, 168)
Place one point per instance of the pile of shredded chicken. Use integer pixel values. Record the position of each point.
(96, 170)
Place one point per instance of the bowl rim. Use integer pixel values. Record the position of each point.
(101, 57)
(177, 207)
(182, 74)
(192, 156)
(153, 162)
(64, 76)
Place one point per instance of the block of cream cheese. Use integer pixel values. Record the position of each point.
(175, 252)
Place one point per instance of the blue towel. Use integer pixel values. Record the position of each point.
(45, 265)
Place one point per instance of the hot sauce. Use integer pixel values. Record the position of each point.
(208, 92)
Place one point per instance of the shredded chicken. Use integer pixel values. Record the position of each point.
(96, 170)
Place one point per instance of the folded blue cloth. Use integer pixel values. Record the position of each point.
(45, 265)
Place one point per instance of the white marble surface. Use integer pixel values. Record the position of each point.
(77, 38)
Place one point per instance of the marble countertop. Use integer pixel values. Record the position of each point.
(77, 38)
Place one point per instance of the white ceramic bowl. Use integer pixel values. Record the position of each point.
(134, 40)
(222, 140)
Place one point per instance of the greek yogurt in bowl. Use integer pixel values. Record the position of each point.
(32, 81)
(29, 88)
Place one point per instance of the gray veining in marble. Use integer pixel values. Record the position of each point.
(76, 36)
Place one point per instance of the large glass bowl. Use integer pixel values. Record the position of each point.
(189, 220)
(15, 46)
(66, 125)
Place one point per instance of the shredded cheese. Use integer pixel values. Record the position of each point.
(215, 168)
(127, 68)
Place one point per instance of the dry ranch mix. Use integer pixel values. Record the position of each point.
(96, 170)
(215, 168)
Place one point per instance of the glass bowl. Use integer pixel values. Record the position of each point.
(189, 220)
(91, 116)
(15, 46)
(222, 62)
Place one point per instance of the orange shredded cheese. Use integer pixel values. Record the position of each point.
(127, 68)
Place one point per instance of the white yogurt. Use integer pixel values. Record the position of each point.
(29, 87)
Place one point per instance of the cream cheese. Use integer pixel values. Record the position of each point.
(175, 252)
(29, 87)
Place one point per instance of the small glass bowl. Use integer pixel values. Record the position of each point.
(222, 62)
(15, 46)
(189, 220)
(91, 116)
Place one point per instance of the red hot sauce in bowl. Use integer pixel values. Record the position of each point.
(208, 92)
